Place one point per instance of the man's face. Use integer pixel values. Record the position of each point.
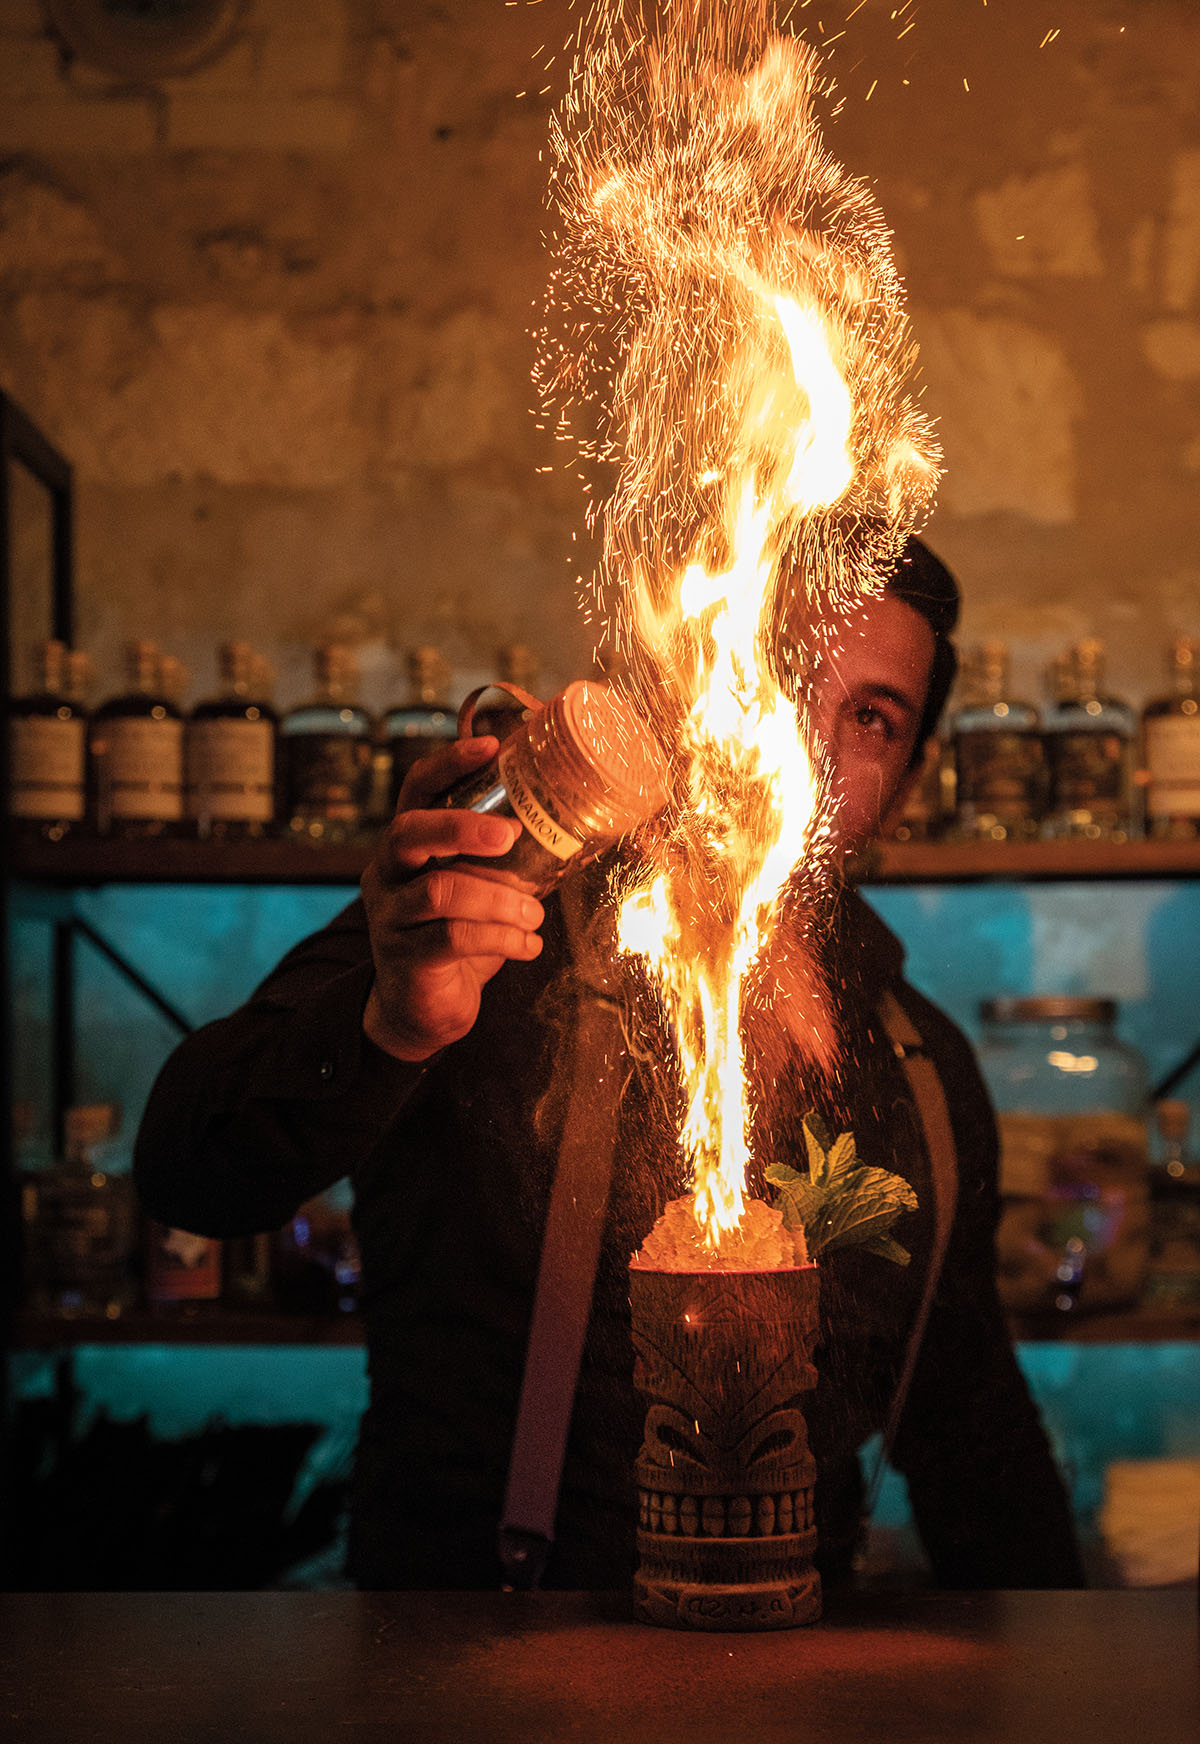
(867, 700)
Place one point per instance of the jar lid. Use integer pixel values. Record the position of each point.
(1048, 1008)
(596, 751)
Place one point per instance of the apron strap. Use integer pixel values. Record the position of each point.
(930, 1099)
(563, 1301)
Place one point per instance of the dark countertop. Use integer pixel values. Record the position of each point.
(445, 1668)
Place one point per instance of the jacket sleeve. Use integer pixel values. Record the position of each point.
(988, 1501)
(255, 1113)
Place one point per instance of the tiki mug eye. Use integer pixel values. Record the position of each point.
(775, 1438)
(671, 1437)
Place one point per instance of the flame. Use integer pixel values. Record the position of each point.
(725, 345)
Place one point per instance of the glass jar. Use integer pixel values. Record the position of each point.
(577, 774)
(1071, 1101)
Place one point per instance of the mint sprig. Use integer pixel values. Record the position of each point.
(841, 1202)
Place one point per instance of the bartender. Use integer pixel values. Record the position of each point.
(416, 1043)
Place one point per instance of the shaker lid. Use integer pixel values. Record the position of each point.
(1048, 1008)
(607, 754)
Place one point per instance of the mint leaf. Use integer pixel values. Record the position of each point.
(841, 1202)
(865, 1204)
(887, 1249)
(842, 1156)
(798, 1199)
(817, 1141)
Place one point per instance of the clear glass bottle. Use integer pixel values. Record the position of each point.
(325, 747)
(1089, 735)
(230, 744)
(47, 750)
(502, 713)
(1173, 1276)
(999, 768)
(930, 799)
(137, 753)
(1071, 1100)
(420, 725)
(1171, 748)
(80, 1222)
(577, 774)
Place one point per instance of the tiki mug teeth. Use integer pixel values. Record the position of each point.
(725, 1478)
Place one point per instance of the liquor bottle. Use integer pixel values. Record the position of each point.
(930, 798)
(502, 713)
(47, 751)
(326, 753)
(1173, 1277)
(183, 1270)
(229, 746)
(1171, 748)
(246, 1272)
(1089, 734)
(421, 724)
(173, 678)
(999, 764)
(137, 753)
(80, 1222)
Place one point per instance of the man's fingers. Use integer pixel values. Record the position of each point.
(431, 775)
(445, 941)
(450, 894)
(415, 837)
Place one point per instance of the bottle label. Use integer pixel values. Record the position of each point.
(182, 1267)
(535, 817)
(1173, 766)
(48, 760)
(231, 770)
(1089, 768)
(143, 768)
(999, 771)
(329, 775)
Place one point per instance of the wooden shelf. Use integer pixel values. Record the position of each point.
(260, 1326)
(203, 1326)
(91, 861)
(1118, 1326)
(964, 862)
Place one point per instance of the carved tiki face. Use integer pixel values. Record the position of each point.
(725, 1476)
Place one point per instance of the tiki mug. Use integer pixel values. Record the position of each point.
(725, 1477)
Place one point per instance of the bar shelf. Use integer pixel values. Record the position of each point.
(93, 860)
(43, 1331)
(34, 1331)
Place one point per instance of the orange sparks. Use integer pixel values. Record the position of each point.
(726, 347)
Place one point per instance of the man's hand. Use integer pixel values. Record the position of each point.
(438, 935)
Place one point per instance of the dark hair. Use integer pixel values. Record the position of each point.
(923, 582)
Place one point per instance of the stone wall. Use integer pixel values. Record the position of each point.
(276, 311)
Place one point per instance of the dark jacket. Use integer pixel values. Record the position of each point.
(452, 1165)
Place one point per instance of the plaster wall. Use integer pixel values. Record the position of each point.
(276, 311)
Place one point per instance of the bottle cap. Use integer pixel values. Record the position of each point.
(516, 663)
(91, 1123)
(78, 673)
(596, 754)
(173, 677)
(141, 664)
(50, 660)
(236, 661)
(1173, 1119)
(426, 665)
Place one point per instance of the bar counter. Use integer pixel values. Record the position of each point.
(443, 1668)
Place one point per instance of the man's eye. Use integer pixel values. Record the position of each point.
(874, 720)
